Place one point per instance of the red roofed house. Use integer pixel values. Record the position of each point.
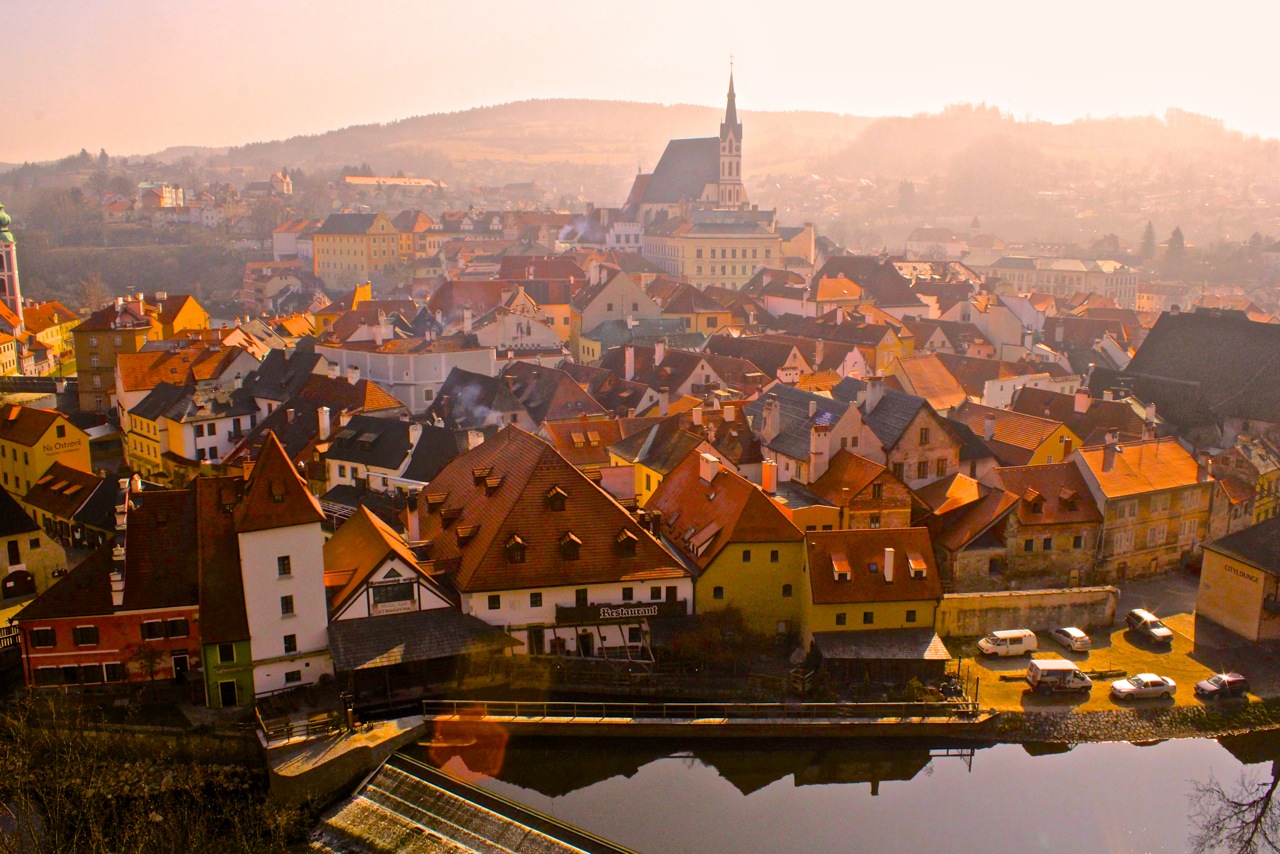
(532, 545)
(870, 604)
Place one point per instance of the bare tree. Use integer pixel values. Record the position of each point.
(1244, 820)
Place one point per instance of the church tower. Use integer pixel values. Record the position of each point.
(10, 293)
(732, 193)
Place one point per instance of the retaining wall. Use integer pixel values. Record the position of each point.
(970, 614)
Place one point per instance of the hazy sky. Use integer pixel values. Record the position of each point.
(135, 76)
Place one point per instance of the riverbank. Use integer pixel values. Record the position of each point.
(1132, 725)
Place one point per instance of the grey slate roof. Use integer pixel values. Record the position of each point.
(892, 414)
(347, 224)
(883, 645)
(793, 437)
(379, 442)
(684, 171)
(412, 636)
(1258, 544)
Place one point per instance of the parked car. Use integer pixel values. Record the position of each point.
(1142, 686)
(1072, 638)
(1146, 623)
(1009, 642)
(1050, 675)
(1222, 685)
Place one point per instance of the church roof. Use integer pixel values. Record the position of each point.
(686, 168)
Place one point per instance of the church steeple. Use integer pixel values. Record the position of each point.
(732, 194)
(731, 126)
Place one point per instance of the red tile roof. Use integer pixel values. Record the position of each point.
(1059, 489)
(504, 489)
(25, 425)
(702, 518)
(276, 496)
(862, 555)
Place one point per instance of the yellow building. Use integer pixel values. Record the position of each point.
(1017, 439)
(8, 355)
(124, 327)
(869, 580)
(30, 562)
(51, 323)
(745, 552)
(355, 247)
(325, 317)
(653, 453)
(1240, 582)
(31, 440)
(723, 248)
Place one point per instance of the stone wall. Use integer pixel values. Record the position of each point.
(972, 614)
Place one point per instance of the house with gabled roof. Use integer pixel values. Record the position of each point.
(653, 452)
(1057, 526)
(1017, 439)
(801, 431)
(32, 560)
(902, 431)
(866, 492)
(533, 545)
(870, 604)
(1240, 582)
(743, 550)
(394, 628)
(612, 295)
(1088, 417)
(970, 525)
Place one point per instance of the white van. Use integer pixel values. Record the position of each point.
(1009, 642)
(1046, 675)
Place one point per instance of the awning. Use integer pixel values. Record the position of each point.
(359, 644)
(882, 645)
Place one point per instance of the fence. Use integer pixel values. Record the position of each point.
(637, 712)
(288, 728)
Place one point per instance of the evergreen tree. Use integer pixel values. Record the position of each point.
(1177, 245)
(1147, 249)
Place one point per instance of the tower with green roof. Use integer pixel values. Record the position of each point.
(10, 292)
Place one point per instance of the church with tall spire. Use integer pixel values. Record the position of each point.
(702, 173)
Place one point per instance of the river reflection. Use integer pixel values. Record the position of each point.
(882, 795)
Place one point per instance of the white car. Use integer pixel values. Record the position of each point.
(1142, 686)
(1072, 638)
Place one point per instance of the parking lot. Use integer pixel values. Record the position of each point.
(1199, 650)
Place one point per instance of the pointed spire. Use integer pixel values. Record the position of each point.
(731, 125)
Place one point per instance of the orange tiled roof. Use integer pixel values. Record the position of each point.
(915, 570)
(275, 496)
(1058, 489)
(25, 425)
(38, 318)
(1142, 467)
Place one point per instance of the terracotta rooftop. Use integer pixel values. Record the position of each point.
(26, 425)
(702, 518)
(276, 496)
(1051, 494)
(1141, 467)
(848, 566)
(500, 498)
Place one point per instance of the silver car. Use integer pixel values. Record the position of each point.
(1072, 638)
(1142, 686)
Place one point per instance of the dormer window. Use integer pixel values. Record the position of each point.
(448, 517)
(570, 546)
(840, 568)
(435, 500)
(491, 484)
(627, 543)
(556, 498)
(1037, 507)
(466, 532)
(480, 475)
(515, 549)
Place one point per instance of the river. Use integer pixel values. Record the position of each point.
(878, 795)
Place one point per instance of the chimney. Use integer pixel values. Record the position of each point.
(466, 321)
(377, 335)
(290, 414)
(874, 392)
(839, 316)
(989, 426)
(344, 418)
(813, 408)
(412, 531)
(730, 412)
(353, 374)
(119, 303)
(415, 435)
(322, 417)
(1151, 412)
(888, 565)
(708, 467)
(475, 439)
(1202, 467)
(1082, 401)
(817, 354)
(771, 420)
(629, 362)
(333, 370)
(117, 576)
(1108, 395)
(664, 402)
(135, 483)
(161, 296)
(1109, 451)
(1148, 431)
(659, 352)
(769, 477)
(697, 416)
(819, 443)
